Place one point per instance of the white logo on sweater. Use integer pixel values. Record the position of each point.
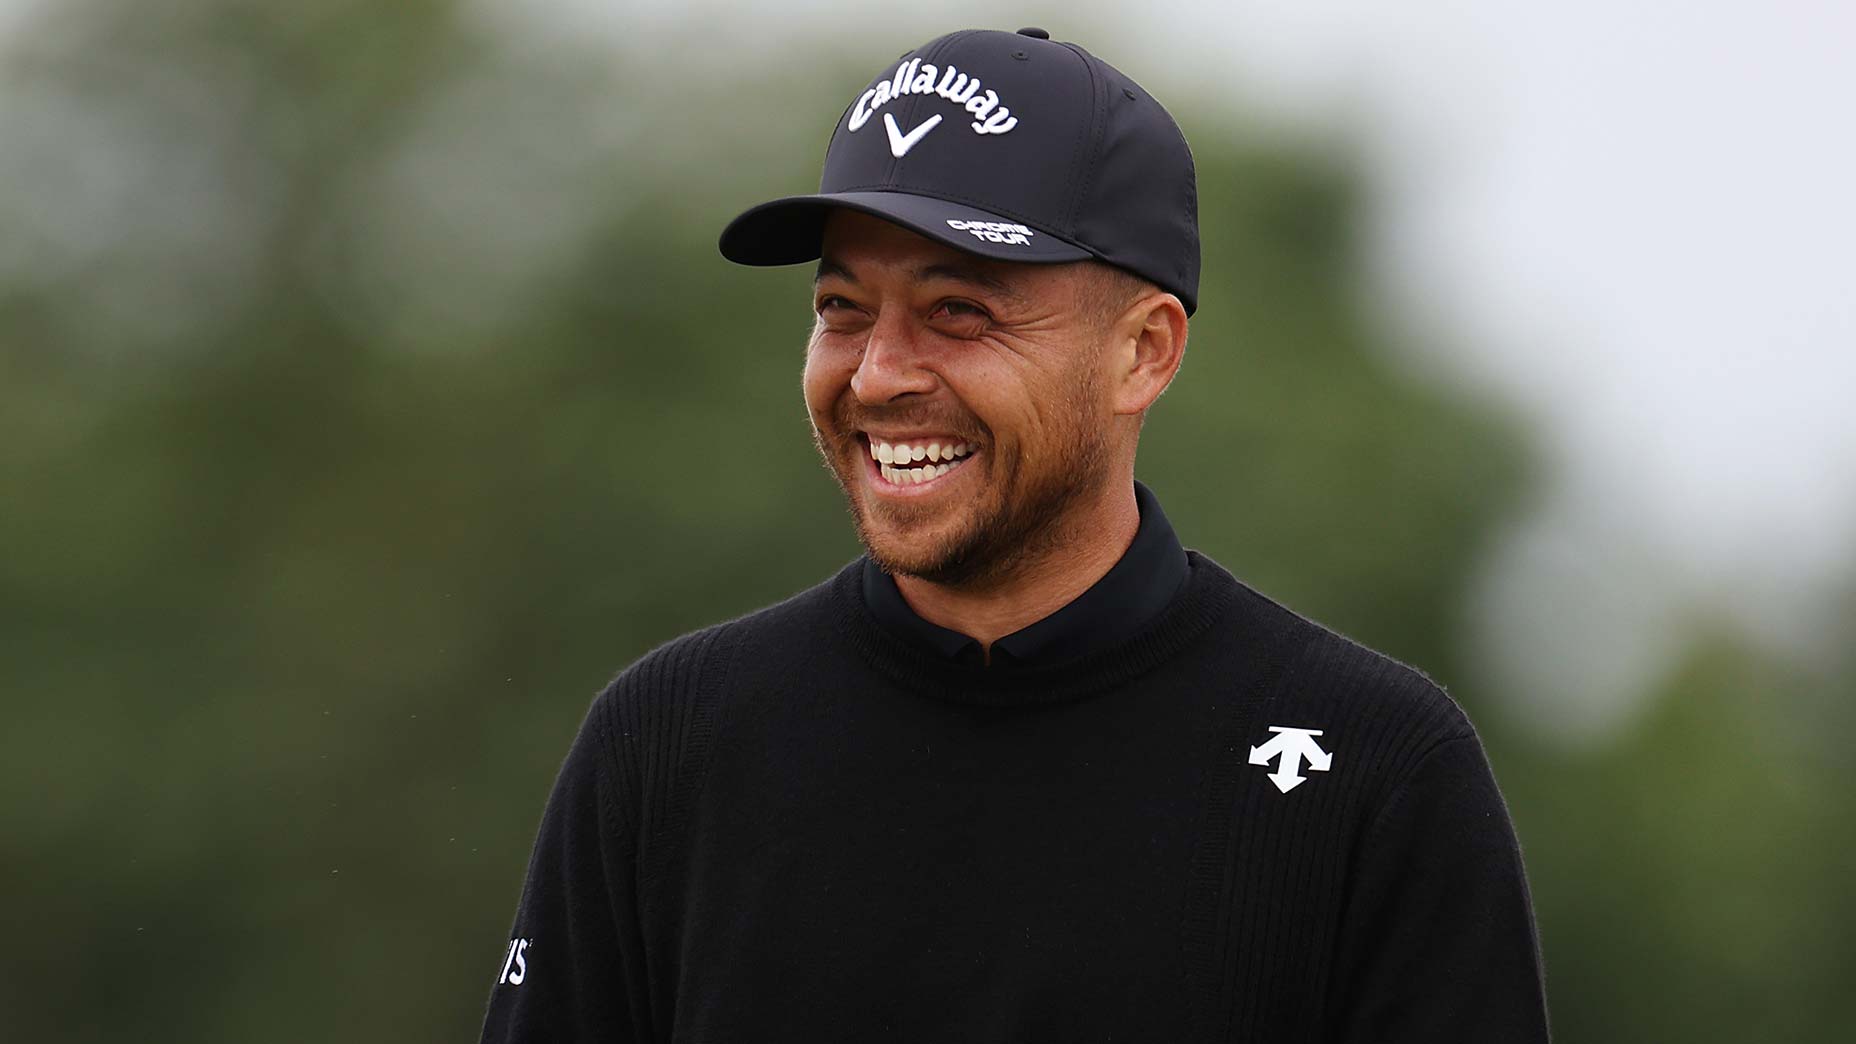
(1292, 745)
(515, 962)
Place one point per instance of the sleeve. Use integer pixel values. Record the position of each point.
(1439, 943)
(573, 969)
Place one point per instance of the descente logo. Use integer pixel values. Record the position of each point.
(994, 231)
(913, 77)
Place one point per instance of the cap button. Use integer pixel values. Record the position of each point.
(1035, 33)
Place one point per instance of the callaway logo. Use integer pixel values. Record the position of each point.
(900, 143)
(912, 77)
(1292, 745)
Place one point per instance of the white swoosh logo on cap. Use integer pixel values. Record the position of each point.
(900, 143)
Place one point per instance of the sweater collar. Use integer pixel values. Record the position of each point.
(1128, 597)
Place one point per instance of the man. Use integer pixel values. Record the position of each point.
(1028, 770)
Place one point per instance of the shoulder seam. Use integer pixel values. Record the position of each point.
(652, 718)
(1405, 775)
(699, 711)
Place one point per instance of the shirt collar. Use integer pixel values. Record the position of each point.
(1129, 595)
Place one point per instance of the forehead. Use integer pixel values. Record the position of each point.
(861, 246)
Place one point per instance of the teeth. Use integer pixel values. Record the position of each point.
(933, 452)
(914, 476)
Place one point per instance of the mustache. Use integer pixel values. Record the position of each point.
(848, 417)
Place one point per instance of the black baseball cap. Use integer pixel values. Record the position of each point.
(1006, 145)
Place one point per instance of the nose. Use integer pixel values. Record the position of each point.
(892, 363)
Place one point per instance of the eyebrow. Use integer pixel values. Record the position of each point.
(828, 267)
(970, 275)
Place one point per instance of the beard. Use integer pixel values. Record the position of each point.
(1023, 516)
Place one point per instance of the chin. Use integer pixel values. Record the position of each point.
(966, 553)
(908, 547)
(960, 541)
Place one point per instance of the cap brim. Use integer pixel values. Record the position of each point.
(791, 230)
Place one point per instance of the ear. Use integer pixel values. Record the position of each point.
(1149, 342)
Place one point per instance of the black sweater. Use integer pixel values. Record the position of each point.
(798, 826)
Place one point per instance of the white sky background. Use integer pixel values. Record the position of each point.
(1629, 222)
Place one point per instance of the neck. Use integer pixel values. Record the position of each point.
(1096, 536)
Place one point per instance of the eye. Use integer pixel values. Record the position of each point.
(957, 309)
(831, 302)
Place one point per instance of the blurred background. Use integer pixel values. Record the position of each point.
(371, 391)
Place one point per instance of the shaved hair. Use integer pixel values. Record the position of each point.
(1108, 291)
(1105, 292)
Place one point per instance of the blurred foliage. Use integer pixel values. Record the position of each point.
(371, 390)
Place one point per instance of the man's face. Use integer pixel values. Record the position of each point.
(922, 352)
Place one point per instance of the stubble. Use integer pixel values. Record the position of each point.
(1025, 516)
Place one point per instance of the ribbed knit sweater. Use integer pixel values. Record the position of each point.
(1234, 825)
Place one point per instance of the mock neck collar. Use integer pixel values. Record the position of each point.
(1128, 597)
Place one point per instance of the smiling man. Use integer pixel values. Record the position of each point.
(982, 419)
(1028, 770)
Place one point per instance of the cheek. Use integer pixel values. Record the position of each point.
(823, 381)
(1064, 407)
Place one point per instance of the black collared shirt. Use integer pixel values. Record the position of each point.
(1128, 596)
